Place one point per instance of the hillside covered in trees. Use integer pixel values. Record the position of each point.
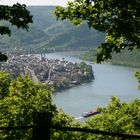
(47, 34)
(125, 57)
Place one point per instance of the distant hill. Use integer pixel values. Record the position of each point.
(47, 33)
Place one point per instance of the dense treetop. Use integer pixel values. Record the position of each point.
(120, 20)
(17, 15)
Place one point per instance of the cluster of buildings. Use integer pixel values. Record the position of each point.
(59, 74)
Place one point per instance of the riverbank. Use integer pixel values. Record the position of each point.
(119, 63)
(125, 58)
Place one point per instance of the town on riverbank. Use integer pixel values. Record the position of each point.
(57, 74)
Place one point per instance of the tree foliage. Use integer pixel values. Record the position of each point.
(4, 83)
(3, 57)
(23, 98)
(116, 117)
(120, 20)
(17, 15)
(137, 75)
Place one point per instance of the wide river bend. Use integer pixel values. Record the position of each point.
(110, 80)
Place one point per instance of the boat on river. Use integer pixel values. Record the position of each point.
(90, 113)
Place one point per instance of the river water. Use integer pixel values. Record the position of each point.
(110, 80)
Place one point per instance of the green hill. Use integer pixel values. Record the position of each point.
(47, 33)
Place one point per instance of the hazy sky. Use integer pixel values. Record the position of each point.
(36, 2)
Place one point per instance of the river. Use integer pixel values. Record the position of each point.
(110, 80)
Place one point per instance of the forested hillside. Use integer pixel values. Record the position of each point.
(46, 33)
(125, 57)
